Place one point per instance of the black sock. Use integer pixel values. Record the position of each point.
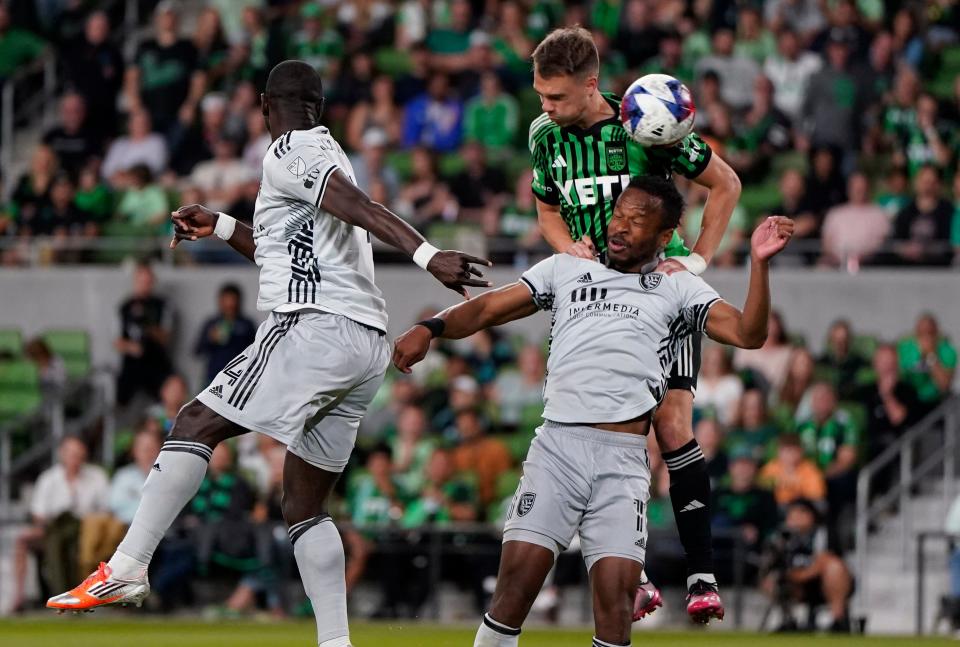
(690, 496)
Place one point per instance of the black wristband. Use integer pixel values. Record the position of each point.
(434, 325)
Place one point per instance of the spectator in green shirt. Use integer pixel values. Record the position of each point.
(317, 42)
(410, 450)
(144, 204)
(741, 504)
(18, 47)
(832, 441)
(372, 495)
(755, 435)
(491, 117)
(928, 361)
(445, 496)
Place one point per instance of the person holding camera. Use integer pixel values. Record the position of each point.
(798, 566)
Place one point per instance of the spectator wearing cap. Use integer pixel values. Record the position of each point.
(480, 454)
(790, 70)
(854, 231)
(791, 475)
(165, 78)
(737, 73)
(921, 231)
(141, 146)
(928, 360)
(831, 109)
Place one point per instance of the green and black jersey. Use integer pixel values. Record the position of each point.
(585, 170)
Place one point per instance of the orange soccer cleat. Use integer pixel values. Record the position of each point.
(99, 590)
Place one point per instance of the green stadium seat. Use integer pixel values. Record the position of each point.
(19, 388)
(757, 199)
(507, 484)
(392, 62)
(11, 343)
(73, 346)
(450, 164)
(402, 163)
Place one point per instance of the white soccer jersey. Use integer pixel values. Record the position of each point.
(310, 260)
(614, 335)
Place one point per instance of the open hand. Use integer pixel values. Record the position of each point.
(583, 248)
(770, 237)
(454, 270)
(192, 222)
(411, 347)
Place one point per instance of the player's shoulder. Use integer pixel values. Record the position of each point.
(539, 129)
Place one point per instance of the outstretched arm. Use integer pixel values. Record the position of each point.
(748, 329)
(724, 186)
(195, 221)
(492, 308)
(344, 200)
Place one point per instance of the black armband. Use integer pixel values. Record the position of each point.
(434, 325)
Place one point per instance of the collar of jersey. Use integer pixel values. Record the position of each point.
(614, 102)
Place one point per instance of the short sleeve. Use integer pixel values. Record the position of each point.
(540, 280)
(542, 185)
(302, 173)
(696, 298)
(690, 156)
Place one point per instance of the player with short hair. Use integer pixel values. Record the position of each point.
(315, 364)
(612, 346)
(582, 160)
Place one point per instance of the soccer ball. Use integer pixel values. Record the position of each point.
(657, 110)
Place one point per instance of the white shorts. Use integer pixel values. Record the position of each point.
(306, 381)
(578, 478)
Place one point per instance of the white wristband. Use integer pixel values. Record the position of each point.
(424, 253)
(225, 226)
(694, 263)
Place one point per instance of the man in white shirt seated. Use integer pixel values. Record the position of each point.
(64, 494)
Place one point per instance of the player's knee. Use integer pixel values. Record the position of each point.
(296, 510)
(197, 423)
(673, 430)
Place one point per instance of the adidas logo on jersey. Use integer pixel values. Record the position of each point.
(586, 278)
(559, 162)
(217, 391)
(693, 505)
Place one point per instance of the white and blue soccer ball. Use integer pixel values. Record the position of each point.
(657, 110)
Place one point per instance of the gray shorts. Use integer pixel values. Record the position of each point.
(578, 478)
(306, 381)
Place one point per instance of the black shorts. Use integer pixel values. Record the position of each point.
(683, 375)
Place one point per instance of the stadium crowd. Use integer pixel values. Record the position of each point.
(842, 115)
(781, 428)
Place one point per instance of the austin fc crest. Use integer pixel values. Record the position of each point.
(650, 281)
(616, 157)
(526, 503)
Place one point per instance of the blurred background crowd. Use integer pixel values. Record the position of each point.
(841, 114)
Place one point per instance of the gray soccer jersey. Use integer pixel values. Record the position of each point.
(310, 260)
(614, 335)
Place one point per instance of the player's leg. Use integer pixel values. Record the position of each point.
(523, 568)
(689, 482)
(317, 546)
(173, 481)
(541, 521)
(836, 585)
(613, 581)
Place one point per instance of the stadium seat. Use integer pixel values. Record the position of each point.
(393, 62)
(19, 388)
(73, 346)
(402, 163)
(11, 343)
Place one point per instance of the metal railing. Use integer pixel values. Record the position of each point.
(920, 595)
(926, 451)
(49, 424)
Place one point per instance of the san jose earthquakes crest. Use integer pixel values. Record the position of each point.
(525, 504)
(651, 280)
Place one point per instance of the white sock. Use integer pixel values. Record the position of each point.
(173, 481)
(599, 643)
(706, 577)
(124, 567)
(342, 641)
(496, 634)
(319, 553)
